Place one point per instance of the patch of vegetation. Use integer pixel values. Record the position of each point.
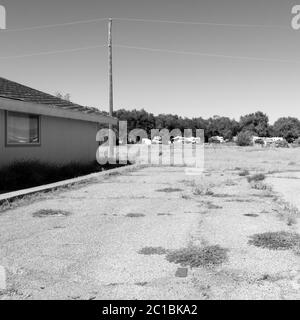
(211, 205)
(230, 182)
(141, 284)
(258, 185)
(27, 174)
(194, 257)
(189, 183)
(185, 196)
(256, 177)
(169, 190)
(265, 195)
(281, 240)
(135, 215)
(44, 213)
(290, 213)
(291, 221)
(244, 173)
(202, 191)
(239, 200)
(221, 195)
(282, 144)
(152, 250)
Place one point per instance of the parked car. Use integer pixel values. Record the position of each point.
(146, 141)
(216, 139)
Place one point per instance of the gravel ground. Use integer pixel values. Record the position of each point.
(93, 252)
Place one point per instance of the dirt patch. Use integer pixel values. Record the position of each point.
(152, 250)
(198, 257)
(135, 215)
(44, 213)
(169, 190)
(276, 240)
(164, 214)
(252, 215)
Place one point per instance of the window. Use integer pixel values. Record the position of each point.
(22, 129)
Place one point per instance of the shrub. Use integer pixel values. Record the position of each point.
(256, 177)
(282, 144)
(296, 143)
(28, 174)
(244, 139)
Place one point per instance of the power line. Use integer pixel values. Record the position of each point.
(51, 52)
(204, 23)
(146, 20)
(207, 54)
(54, 25)
(193, 53)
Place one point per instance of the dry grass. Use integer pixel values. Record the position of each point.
(169, 190)
(211, 205)
(135, 215)
(258, 185)
(152, 250)
(186, 196)
(44, 213)
(194, 257)
(189, 183)
(230, 183)
(244, 173)
(289, 212)
(202, 191)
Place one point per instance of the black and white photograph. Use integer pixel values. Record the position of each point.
(149, 151)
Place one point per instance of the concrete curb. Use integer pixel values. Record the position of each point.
(8, 197)
(2, 278)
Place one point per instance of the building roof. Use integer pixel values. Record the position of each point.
(15, 91)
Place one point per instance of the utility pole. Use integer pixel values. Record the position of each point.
(111, 101)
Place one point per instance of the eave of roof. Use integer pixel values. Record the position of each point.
(54, 111)
(26, 98)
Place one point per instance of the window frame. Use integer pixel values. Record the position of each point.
(34, 144)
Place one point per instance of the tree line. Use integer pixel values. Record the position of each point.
(254, 124)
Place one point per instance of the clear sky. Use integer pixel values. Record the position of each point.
(160, 82)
